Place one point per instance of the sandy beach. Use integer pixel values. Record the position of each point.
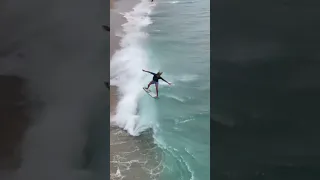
(116, 20)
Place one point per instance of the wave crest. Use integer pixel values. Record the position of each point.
(126, 74)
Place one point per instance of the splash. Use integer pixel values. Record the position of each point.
(126, 72)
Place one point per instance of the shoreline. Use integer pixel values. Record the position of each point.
(130, 156)
(116, 20)
(124, 148)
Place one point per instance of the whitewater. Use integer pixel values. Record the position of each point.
(126, 73)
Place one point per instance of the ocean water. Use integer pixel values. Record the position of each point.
(171, 36)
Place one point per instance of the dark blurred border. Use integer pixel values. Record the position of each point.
(15, 107)
(265, 90)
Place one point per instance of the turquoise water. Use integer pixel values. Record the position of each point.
(179, 45)
(171, 36)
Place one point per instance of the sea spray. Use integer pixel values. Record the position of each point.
(126, 72)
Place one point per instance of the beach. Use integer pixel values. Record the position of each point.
(116, 20)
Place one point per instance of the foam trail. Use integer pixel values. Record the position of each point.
(126, 68)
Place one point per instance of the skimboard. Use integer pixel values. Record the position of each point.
(148, 91)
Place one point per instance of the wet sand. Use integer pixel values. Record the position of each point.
(116, 20)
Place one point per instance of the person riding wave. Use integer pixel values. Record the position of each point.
(155, 79)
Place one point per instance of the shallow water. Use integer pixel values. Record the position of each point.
(179, 44)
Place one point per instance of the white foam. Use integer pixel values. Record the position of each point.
(188, 78)
(177, 98)
(174, 2)
(126, 69)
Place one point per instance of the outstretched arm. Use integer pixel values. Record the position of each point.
(148, 72)
(165, 81)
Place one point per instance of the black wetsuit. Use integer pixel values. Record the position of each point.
(156, 78)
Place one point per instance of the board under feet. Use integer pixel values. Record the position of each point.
(148, 91)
